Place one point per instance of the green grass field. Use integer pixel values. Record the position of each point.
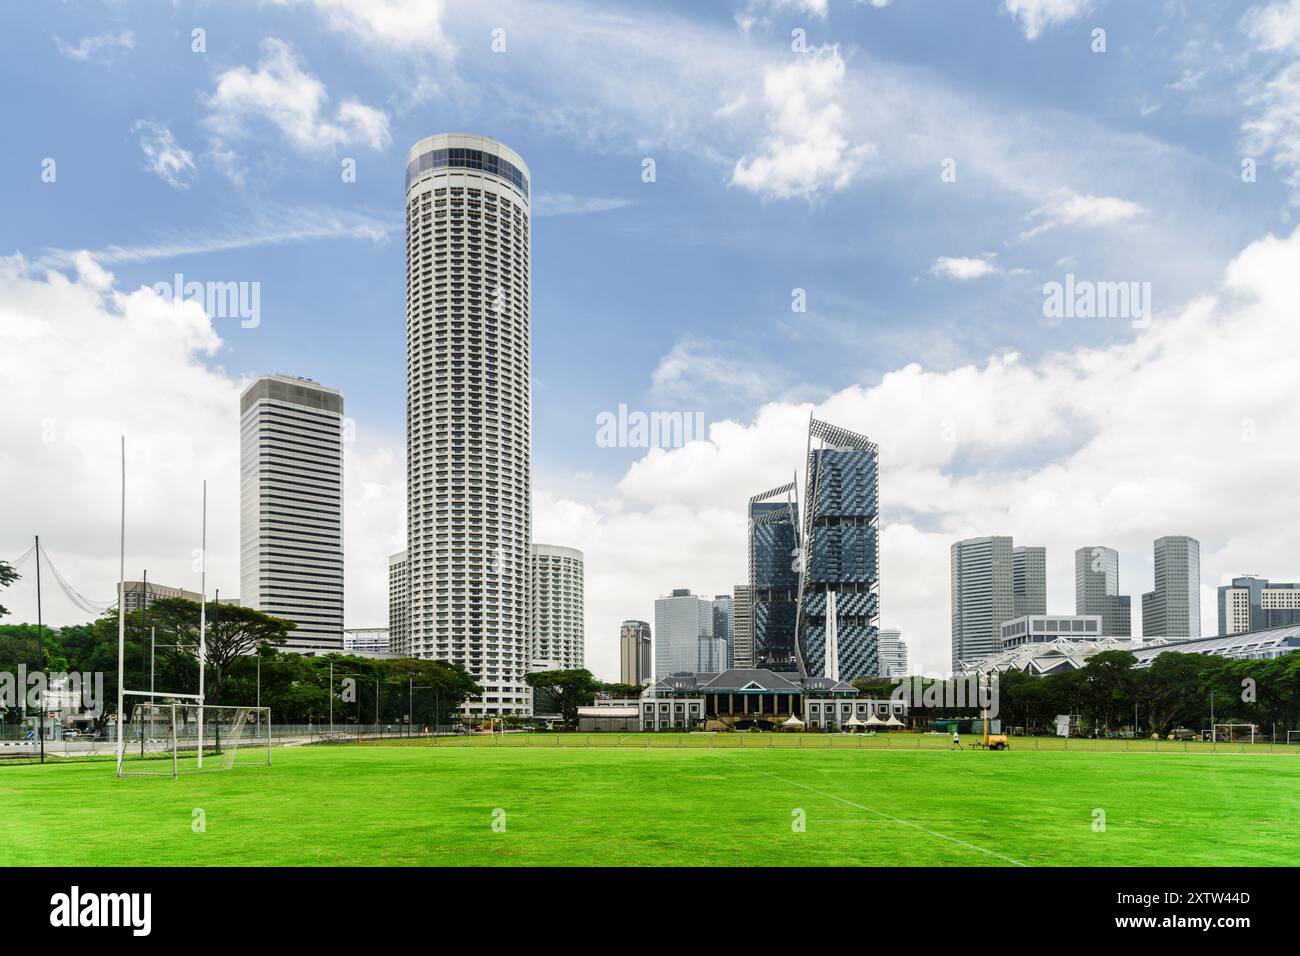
(665, 805)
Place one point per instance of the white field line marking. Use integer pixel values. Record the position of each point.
(885, 816)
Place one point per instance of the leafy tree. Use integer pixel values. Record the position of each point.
(570, 689)
(621, 691)
(7, 577)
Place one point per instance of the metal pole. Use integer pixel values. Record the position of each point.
(410, 692)
(259, 677)
(40, 651)
(203, 614)
(121, 617)
(331, 697)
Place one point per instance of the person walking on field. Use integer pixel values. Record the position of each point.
(956, 741)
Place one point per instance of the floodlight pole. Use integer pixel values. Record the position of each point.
(203, 613)
(121, 618)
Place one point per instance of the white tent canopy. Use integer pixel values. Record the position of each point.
(793, 721)
(853, 722)
(874, 721)
(893, 721)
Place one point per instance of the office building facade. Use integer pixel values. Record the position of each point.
(1173, 609)
(743, 631)
(291, 507)
(724, 627)
(634, 653)
(773, 577)
(1029, 580)
(982, 597)
(469, 413)
(1096, 590)
(683, 631)
(1251, 603)
(557, 631)
(1039, 629)
(399, 608)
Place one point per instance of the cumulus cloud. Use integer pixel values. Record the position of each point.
(807, 149)
(102, 49)
(949, 267)
(85, 362)
(1075, 209)
(281, 94)
(1035, 16)
(165, 157)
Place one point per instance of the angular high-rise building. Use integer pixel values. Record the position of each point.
(683, 633)
(743, 635)
(1252, 603)
(556, 632)
(634, 653)
(1028, 580)
(291, 507)
(773, 577)
(1173, 609)
(1096, 590)
(982, 597)
(469, 412)
(841, 543)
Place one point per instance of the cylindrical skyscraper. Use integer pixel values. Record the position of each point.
(469, 411)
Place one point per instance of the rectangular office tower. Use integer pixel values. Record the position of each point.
(841, 541)
(742, 653)
(724, 627)
(683, 634)
(982, 597)
(291, 507)
(1256, 604)
(773, 578)
(1173, 609)
(634, 653)
(557, 629)
(1096, 590)
(1029, 580)
(469, 412)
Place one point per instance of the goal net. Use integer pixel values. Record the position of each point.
(1293, 736)
(1235, 733)
(149, 748)
(168, 739)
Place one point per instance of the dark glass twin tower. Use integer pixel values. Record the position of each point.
(797, 559)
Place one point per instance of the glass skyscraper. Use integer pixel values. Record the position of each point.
(773, 577)
(841, 541)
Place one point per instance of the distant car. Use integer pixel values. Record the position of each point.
(71, 734)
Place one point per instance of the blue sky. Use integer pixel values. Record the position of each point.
(776, 170)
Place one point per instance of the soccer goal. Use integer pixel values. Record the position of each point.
(1293, 736)
(1235, 733)
(169, 739)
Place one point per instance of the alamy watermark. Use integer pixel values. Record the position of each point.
(1083, 299)
(58, 690)
(968, 691)
(220, 300)
(626, 429)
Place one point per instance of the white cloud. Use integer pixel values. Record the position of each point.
(1037, 15)
(167, 159)
(807, 150)
(567, 204)
(1075, 209)
(949, 267)
(390, 24)
(104, 48)
(1275, 27)
(280, 93)
(85, 362)
(273, 224)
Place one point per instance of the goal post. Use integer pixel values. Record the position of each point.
(1235, 733)
(170, 738)
(147, 744)
(1293, 736)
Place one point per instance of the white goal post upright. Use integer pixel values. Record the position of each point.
(1230, 734)
(203, 612)
(1293, 736)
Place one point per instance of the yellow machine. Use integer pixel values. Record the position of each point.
(993, 741)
